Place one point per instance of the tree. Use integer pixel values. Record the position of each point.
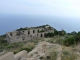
(63, 32)
(55, 32)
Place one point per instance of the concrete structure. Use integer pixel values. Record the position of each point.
(19, 56)
(7, 56)
(43, 49)
(26, 34)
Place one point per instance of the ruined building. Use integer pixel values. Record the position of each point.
(26, 34)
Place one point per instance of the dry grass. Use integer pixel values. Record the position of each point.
(68, 54)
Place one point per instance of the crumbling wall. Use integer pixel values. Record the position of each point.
(21, 55)
(8, 37)
(10, 56)
(26, 35)
(7, 56)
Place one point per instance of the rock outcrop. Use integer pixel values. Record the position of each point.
(42, 51)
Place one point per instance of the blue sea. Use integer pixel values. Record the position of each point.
(10, 22)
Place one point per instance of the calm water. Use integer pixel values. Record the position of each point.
(12, 22)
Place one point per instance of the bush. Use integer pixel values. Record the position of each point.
(48, 57)
(49, 35)
(1, 50)
(28, 48)
(73, 39)
(15, 52)
(50, 41)
(66, 55)
(69, 41)
(41, 57)
(10, 46)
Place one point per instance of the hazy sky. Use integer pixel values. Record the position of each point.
(67, 8)
(63, 14)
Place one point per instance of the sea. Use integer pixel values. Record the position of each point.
(10, 22)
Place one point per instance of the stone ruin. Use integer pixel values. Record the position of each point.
(10, 56)
(26, 34)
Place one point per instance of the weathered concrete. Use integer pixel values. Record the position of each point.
(19, 56)
(28, 34)
(7, 56)
(43, 49)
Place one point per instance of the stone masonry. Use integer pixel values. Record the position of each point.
(23, 35)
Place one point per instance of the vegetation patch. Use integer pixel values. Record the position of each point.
(66, 55)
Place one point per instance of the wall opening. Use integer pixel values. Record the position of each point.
(38, 31)
(28, 32)
(23, 39)
(23, 31)
(37, 34)
(10, 33)
(31, 36)
(33, 31)
(44, 34)
(41, 35)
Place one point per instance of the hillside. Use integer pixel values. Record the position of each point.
(56, 46)
(47, 51)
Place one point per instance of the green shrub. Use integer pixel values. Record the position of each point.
(10, 46)
(15, 52)
(50, 41)
(41, 57)
(1, 50)
(48, 57)
(49, 35)
(28, 48)
(69, 41)
(66, 53)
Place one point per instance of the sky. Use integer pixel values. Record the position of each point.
(68, 8)
(61, 14)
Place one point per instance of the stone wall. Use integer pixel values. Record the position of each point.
(8, 37)
(26, 35)
(10, 56)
